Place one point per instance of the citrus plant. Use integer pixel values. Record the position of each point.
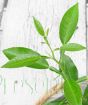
(25, 57)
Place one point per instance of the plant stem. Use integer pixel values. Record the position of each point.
(55, 88)
(55, 70)
(53, 56)
(47, 42)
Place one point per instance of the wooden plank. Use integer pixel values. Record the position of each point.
(86, 23)
(19, 31)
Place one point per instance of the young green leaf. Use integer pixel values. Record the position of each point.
(68, 24)
(54, 70)
(68, 67)
(21, 61)
(39, 27)
(61, 101)
(72, 92)
(11, 53)
(82, 79)
(85, 97)
(72, 47)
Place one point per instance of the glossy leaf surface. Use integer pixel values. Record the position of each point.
(17, 51)
(21, 61)
(68, 67)
(85, 96)
(38, 26)
(72, 47)
(72, 92)
(68, 24)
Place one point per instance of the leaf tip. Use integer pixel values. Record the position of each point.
(84, 48)
(34, 19)
(2, 66)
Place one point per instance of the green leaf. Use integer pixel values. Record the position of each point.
(11, 53)
(72, 92)
(61, 101)
(85, 97)
(21, 61)
(39, 27)
(68, 67)
(40, 64)
(56, 49)
(82, 79)
(55, 70)
(68, 24)
(72, 47)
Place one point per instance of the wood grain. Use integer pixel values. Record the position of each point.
(19, 30)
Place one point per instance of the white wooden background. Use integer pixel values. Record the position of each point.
(24, 86)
